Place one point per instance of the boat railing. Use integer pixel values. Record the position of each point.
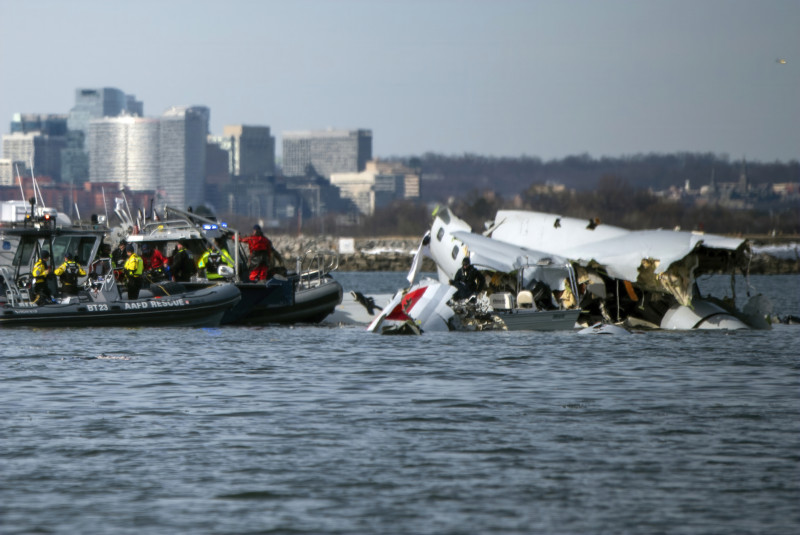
(314, 266)
(16, 296)
(170, 225)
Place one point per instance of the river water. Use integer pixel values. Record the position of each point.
(323, 430)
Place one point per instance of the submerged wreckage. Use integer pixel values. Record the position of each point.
(549, 272)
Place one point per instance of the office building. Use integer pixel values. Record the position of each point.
(124, 150)
(39, 150)
(9, 170)
(165, 154)
(91, 104)
(45, 123)
(251, 149)
(182, 158)
(74, 158)
(378, 185)
(326, 152)
(99, 103)
(37, 139)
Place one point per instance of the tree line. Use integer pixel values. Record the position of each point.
(618, 191)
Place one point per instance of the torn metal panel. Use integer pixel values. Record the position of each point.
(657, 260)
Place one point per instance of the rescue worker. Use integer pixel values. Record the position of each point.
(468, 280)
(260, 252)
(68, 273)
(119, 256)
(41, 271)
(180, 264)
(134, 266)
(212, 259)
(154, 263)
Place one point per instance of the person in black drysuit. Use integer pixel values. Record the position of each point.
(468, 281)
(180, 264)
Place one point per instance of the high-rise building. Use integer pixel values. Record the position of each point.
(39, 150)
(252, 150)
(92, 104)
(101, 102)
(182, 157)
(46, 123)
(10, 170)
(37, 139)
(165, 154)
(74, 159)
(124, 150)
(327, 151)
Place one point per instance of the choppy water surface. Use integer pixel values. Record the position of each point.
(335, 430)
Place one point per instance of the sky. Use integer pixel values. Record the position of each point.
(545, 79)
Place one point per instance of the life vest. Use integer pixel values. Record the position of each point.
(40, 271)
(70, 273)
(212, 262)
(134, 266)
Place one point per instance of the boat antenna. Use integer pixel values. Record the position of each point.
(121, 213)
(21, 190)
(127, 207)
(36, 189)
(37, 192)
(105, 203)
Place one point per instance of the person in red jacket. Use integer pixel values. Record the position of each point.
(153, 263)
(260, 252)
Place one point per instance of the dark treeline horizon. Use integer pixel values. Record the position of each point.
(618, 191)
(510, 175)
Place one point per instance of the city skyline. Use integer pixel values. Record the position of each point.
(541, 79)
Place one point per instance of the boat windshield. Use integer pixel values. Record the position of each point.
(30, 246)
(25, 249)
(81, 246)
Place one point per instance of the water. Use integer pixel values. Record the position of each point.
(334, 430)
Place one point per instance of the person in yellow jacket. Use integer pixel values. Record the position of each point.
(40, 273)
(69, 272)
(212, 259)
(134, 266)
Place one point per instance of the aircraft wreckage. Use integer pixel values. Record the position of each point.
(550, 272)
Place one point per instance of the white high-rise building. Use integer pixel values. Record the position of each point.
(124, 150)
(36, 149)
(165, 154)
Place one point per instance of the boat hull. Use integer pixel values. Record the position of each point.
(283, 304)
(201, 308)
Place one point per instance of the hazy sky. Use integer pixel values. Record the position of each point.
(495, 77)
